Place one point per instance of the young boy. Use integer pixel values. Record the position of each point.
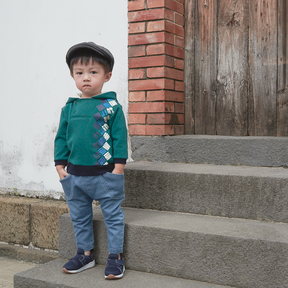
(92, 143)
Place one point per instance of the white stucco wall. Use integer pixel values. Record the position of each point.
(35, 82)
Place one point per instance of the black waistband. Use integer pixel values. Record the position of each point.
(79, 170)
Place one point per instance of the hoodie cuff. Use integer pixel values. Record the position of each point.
(119, 161)
(60, 162)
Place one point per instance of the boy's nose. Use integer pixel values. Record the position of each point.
(86, 76)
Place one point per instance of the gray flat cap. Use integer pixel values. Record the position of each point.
(97, 49)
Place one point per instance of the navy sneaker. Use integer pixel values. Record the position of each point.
(79, 262)
(115, 267)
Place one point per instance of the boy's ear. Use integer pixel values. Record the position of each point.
(71, 75)
(108, 76)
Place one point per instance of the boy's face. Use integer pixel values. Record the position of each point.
(90, 78)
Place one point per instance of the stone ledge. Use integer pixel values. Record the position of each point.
(50, 275)
(224, 251)
(258, 193)
(28, 220)
(209, 149)
(27, 254)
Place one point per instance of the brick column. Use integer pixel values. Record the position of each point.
(156, 67)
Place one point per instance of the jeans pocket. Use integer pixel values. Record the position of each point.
(67, 186)
(114, 185)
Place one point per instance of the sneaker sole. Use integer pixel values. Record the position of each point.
(113, 277)
(87, 266)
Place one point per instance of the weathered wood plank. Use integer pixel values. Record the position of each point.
(205, 66)
(189, 81)
(282, 85)
(233, 70)
(263, 67)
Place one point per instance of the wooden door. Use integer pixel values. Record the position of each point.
(235, 67)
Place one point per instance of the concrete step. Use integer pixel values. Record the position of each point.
(27, 254)
(235, 252)
(258, 193)
(50, 275)
(206, 149)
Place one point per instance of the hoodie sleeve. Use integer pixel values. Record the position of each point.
(61, 151)
(118, 129)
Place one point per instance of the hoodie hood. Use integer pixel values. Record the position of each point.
(106, 95)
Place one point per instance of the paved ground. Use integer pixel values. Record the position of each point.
(9, 267)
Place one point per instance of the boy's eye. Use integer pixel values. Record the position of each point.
(79, 73)
(93, 72)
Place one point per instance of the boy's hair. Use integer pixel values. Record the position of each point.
(85, 55)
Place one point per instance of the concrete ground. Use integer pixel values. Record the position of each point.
(9, 267)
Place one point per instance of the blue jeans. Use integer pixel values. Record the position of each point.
(108, 189)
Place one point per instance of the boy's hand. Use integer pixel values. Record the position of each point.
(61, 171)
(118, 169)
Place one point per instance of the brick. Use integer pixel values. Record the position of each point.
(148, 15)
(177, 119)
(151, 84)
(174, 74)
(165, 49)
(137, 119)
(136, 74)
(136, 96)
(15, 219)
(137, 129)
(179, 41)
(155, 3)
(165, 72)
(179, 108)
(151, 107)
(179, 19)
(153, 130)
(174, 28)
(167, 26)
(152, 61)
(156, 26)
(158, 72)
(174, 51)
(173, 5)
(179, 64)
(137, 28)
(136, 51)
(179, 86)
(171, 119)
(179, 130)
(157, 119)
(136, 5)
(156, 49)
(165, 95)
(48, 212)
(159, 95)
(148, 38)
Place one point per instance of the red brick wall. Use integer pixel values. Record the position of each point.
(156, 67)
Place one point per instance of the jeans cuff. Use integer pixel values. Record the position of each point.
(115, 250)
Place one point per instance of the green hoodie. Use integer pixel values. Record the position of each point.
(92, 135)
